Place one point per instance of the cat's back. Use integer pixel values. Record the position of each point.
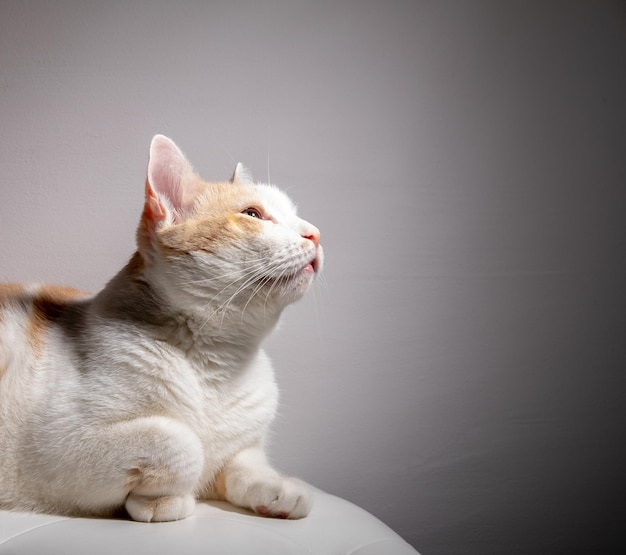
(27, 315)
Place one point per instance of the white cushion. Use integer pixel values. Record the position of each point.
(335, 526)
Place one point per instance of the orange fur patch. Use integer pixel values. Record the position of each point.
(216, 223)
(9, 291)
(44, 304)
(48, 303)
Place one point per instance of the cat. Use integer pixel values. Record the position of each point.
(155, 392)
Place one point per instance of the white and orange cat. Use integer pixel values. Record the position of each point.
(155, 392)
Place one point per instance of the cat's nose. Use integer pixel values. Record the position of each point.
(312, 234)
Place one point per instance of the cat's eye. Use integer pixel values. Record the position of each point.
(253, 213)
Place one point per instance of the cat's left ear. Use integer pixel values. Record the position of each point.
(241, 175)
(171, 185)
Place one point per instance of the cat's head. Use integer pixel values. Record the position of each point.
(227, 247)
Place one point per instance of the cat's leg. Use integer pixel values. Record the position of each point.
(248, 481)
(159, 460)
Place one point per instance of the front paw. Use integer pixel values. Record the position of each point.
(276, 496)
(159, 509)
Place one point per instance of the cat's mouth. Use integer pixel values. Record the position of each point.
(303, 273)
(309, 268)
(313, 265)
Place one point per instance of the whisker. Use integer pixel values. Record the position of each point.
(256, 262)
(248, 279)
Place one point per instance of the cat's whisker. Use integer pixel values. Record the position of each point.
(257, 262)
(251, 280)
(249, 272)
(220, 308)
(252, 276)
(284, 273)
(259, 286)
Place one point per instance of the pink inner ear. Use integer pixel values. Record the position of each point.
(154, 210)
(171, 177)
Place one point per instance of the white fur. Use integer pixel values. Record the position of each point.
(155, 392)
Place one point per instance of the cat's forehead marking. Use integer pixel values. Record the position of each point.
(225, 198)
(211, 225)
(216, 221)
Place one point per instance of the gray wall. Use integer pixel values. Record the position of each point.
(459, 373)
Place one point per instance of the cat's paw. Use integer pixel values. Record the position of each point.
(278, 497)
(159, 509)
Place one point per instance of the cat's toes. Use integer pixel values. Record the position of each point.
(280, 498)
(159, 509)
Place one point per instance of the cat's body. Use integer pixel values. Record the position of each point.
(155, 392)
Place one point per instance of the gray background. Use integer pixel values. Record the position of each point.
(459, 372)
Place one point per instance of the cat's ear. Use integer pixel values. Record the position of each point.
(171, 185)
(241, 175)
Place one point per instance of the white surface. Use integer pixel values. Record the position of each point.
(334, 527)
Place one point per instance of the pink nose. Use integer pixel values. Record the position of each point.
(312, 234)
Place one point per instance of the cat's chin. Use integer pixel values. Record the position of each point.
(305, 276)
(292, 287)
(301, 278)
